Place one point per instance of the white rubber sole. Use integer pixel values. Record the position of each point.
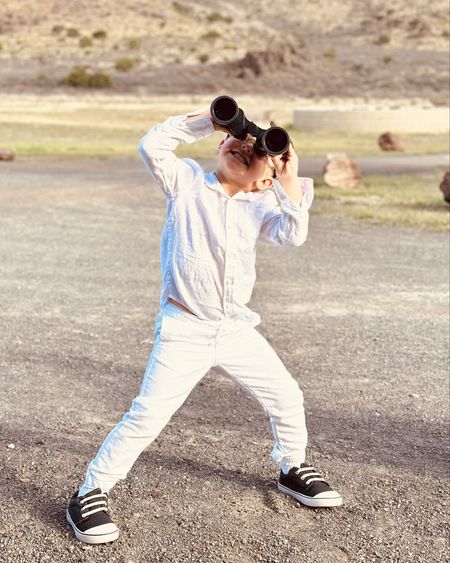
(333, 498)
(91, 538)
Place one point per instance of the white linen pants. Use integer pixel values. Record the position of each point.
(185, 348)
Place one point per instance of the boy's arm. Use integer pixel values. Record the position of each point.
(288, 222)
(156, 148)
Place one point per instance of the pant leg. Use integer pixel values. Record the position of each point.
(251, 360)
(181, 356)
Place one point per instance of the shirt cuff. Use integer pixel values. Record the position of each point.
(307, 186)
(198, 128)
(289, 205)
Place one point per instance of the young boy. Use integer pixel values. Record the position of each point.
(208, 248)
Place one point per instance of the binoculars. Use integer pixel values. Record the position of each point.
(272, 141)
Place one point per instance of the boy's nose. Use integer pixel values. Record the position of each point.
(247, 146)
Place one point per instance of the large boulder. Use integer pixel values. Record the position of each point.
(258, 63)
(390, 142)
(7, 154)
(444, 186)
(341, 171)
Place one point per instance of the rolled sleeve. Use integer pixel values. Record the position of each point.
(288, 222)
(157, 148)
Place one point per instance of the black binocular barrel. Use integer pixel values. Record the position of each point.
(226, 112)
(275, 141)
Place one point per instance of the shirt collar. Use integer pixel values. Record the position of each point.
(213, 183)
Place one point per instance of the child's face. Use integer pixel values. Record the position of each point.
(238, 164)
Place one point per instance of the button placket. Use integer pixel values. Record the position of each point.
(229, 256)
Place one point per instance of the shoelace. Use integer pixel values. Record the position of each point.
(101, 504)
(310, 475)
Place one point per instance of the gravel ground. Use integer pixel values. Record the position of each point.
(359, 315)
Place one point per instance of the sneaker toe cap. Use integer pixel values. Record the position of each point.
(103, 529)
(328, 494)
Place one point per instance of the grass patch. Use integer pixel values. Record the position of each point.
(66, 128)
(85, 42)
(318, 143)
(100, 34)
(182, 9)
(330, 53)
(111, 129)
(79, 77)
(210, 35)
(383, 39)
(72, 32)
(406, 200)
(68, 140)
(124, 64)
(134, 44)
(218, 17)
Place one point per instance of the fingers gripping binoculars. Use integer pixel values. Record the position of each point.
(272, 141)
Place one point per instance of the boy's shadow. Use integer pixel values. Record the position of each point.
(49, 504)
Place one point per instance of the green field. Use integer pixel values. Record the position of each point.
(109, 127)
(101, 139)
(410, 201)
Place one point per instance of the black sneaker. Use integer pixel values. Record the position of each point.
(306, 485)
(89, 518)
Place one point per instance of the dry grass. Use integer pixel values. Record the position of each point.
(409, 201)
(102, 126)
(99, 126)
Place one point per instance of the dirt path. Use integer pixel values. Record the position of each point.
(359, 315)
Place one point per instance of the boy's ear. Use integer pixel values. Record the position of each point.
(264, 183)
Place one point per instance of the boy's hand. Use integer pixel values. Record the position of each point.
(286, 166)
(207, 113)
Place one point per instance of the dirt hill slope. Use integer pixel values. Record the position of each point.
(313, 49)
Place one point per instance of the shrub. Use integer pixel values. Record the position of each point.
(217, 17)
(72, 32)
(134, 44)
(383, 39)
(210, 35)
(57, 29)
(445, 33)
(85, 42)
(387, 59)
(1, 46)
(79, 77)
(99, 34)
(124, 64)
(330, 53)
(181, 8)
(203, 58)
(100, 80)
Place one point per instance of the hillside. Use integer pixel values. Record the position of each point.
(349, 49)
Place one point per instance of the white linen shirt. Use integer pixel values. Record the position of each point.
(208, 243)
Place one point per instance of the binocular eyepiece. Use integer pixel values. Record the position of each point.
(272, 141)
